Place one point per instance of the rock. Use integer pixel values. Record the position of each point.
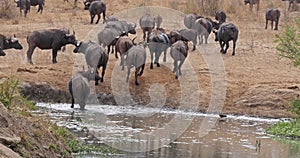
(9, 140)
(7, 152)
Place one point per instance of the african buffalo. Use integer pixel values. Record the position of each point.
(79, 86)
(190, 19)
(97, 8)
(108, 38)
(251, 3)
(157, 43)
(189, 35)
(136, 57)
(147, 24)
(87, 3)
(220, 16)
(23, 5)
(272, 15)
(95, 56)
(39, 3)
(8, 43)
(226, 33)
(123, 44)
(49, 39)
(203, 26)
(179, 52)
(123, 27)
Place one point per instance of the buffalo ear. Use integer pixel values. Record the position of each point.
(73, 32)
(14, 35)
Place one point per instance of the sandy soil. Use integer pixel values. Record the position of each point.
(258, 82)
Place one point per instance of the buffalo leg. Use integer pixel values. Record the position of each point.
(136, 75)
(276, 24)
(234, 44)
(98, 18)
(54, 54)
(122, 61)
(165, 56)
(156, 60)
(142, 70)
(176, 68)
(92, 18)
(272, 24)
(144, 35)
(227, 46)
(180, 65)
(103, 72)
(222, 46)
(104, 19)
(151, 63)
(29, 54)
(266, 24)
(128, 74)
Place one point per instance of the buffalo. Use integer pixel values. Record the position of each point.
(39, 3)
(8, 43)
(147, 24)
(87, 3)
(122, 27)
(251, 3)
(23, 5)
(179, 52)
(203, 26)
(136, 57)
(190, 19)
(189, 35)
(157, 43)
(272, 15)
(220, 16)
(97, 8)
(1, 52)
(53, 39)
(95, 56)
(226, 33)
(79, 86)
(123, 44)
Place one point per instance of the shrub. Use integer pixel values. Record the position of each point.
(289, 43)
(7, 9)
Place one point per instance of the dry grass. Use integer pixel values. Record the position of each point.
(7, 9)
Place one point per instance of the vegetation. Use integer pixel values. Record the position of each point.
(63, 141)
(7, 9)
(288, 129)
(288, 43)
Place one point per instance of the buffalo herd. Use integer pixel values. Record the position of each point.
(114, 37)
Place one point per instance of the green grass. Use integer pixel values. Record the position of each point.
(285, 129)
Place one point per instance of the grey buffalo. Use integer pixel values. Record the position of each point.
(23, 5)
(53, 39)
(272, 15)
(107, 38)
(79, 87)
(220, 16)
(203, 26)
(123, 44)
(9, 43)
(87, 3)
(179, 52)
(123, 27)
(190, 19)
(189, 35)
(226, 33)
(97, 8)
(112, 18)
(147, 24)
(95, 56)
(136, 57)
(157, 43)
(251, 3)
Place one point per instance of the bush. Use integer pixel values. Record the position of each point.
(7, 9)
(295, 107)
(289, 43)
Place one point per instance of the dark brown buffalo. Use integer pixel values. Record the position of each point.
(53, 39)
(272, 15)
(123, 44)
(251, 3)
(220, 16)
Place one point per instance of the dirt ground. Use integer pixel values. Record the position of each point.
(258, 82)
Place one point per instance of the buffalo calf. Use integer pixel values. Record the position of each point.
(272, 15)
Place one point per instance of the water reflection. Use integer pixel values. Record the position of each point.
(233, 137)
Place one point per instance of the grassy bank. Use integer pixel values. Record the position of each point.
(288, 129)
(38, 136)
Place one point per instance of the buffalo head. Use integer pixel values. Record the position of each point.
(132, 27)
(87, 4)
(76, 49)
(71, 39)
(13, 42)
